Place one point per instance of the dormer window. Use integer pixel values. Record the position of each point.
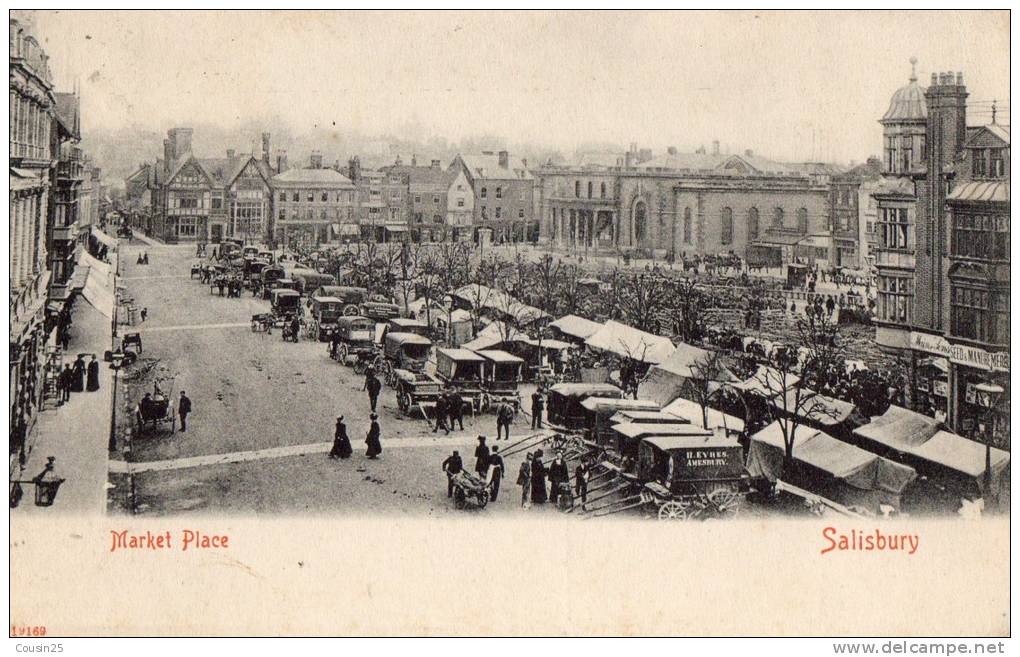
(997, 163)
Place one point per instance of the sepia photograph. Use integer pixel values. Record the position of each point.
(492, 290)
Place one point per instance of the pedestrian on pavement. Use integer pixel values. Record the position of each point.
(539, 495)
(504, 417)
(78, 375)
(341, 443)
(183, 408)
(481, 457)
(497, 467)
(537, 406)
(144, 313)
(442, 411)
(93, 375)
(558, 475)
(524, 480)
(455, 409)
(373, 386)
(452, 466)
(581, 475)
(373, 438)
(64, 383)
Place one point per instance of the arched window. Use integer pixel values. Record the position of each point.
(577, 189)
(777, 217)
(499, 192)
(687, 225)
(603, 190)
(802, 224)
(640, 221)
(589, 189)
(752, 224)
(726, 232)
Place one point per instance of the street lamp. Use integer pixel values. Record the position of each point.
(116, 361)
(988, 395)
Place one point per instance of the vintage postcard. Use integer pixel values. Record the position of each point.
(509, 323)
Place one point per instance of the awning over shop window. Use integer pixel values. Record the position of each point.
(346, 229)
(396, 228)
(817, 241)
(104, 238)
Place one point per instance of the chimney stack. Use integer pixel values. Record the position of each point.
(230, 153)
(715, 147)
(316, 159)
(168, 154)
(281, 161)
(934, 80)
(265, 147)
(435, 164)
(959, 78)
(180, 141)
(414, 159)
(671, 150)
(628, 159)
(504, 160)
(749, 153)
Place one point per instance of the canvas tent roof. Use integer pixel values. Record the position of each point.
(629, 342)
(852, 465)
(691, 411)
(960, 454)
(575, 326)
(816, 407)
(637, 430)
(497, 356)
(626, 415)
(586, 389)
(664, 382)
(667, 443)
(595, 403)
(899, 429)
(766, 381)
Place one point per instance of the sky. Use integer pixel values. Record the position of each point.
(792, 86)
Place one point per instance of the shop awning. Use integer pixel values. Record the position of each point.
(817, 241)
(346, 229)
(691, 411)
(396, 228)
(104, 238)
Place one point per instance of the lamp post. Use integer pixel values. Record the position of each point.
(988, 395)
(116, 361)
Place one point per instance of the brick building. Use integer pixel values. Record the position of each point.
(853, 212)
(504, 196)
(426, 199)
(313, 205)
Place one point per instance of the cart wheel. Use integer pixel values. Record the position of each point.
(483, 499)
(403, 401)
(725, 500)
(459, 499)
(359, 366)
(343, 351)
(675, 510)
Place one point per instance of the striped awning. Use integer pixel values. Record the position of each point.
(990, 191)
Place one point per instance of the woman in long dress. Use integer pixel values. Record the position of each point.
(341, 443)
(78, 375)
(372, 440)
(524, 480)
(538, 491)
(93, 376)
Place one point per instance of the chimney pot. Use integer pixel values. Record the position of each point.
(934, 80)
(281, 161)
(435, 164)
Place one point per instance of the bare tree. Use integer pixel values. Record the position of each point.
(686, 309)
(643, 297)
(703, 384)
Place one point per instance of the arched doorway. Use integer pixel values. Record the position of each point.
(640, 218)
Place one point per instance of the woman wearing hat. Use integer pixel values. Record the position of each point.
(372, 440)
(341, 443)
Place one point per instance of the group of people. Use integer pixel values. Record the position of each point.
(342, 443)
(78, 377)
(533, 473)
(488, 463)
(449, 409)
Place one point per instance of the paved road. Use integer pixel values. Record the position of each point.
(271, 401)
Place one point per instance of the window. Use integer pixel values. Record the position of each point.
(499, 212)
(460, 203)
(188, 203)
(894, 229)
(996, 164)
(437, 219)
(311, 197)
(417, 198)
(435, 200)
(870, 228)
(777, 218)
(325, 196)
(295, 197)
(969, 313)
(752, 224)
(283, 215)
(483, 192)
(294, 214)
(603, 190)
(895, 296)
(217, 203)
(890, 154)
(187, 227)
(726, 231)
(395, 195)
(523, 196)
(687, 225)
(499, 192)
(802, 222)
(589, 189)
(979, 166)
(577, 189)
(906, 149)
(980, 236)
(283, 196)
(640, 219)
(520, 213)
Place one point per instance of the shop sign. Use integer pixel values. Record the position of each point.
(941, 388)
(960, 354)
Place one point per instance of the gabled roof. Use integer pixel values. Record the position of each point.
(486, 167)
(66, 112)
(313, 176)
(1000, 132)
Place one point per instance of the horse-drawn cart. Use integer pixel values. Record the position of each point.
(416, 390)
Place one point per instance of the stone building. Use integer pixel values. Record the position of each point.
(853, 211)
(313, 205)
(684, 204)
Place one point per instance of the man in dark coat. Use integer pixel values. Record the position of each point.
(295, 328)
(93, 375)
(64, 383)
(481, 457)
(334, 344)
(537, 407)
(558, 474)
(455, 409)
(78, 375)
(442, 411)
(372, 439)
(581, 475)
(452, 466)
(539, 495)
(341, 443)
(373, 386)
(183, 409)
(504, 417)
(498, 467)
